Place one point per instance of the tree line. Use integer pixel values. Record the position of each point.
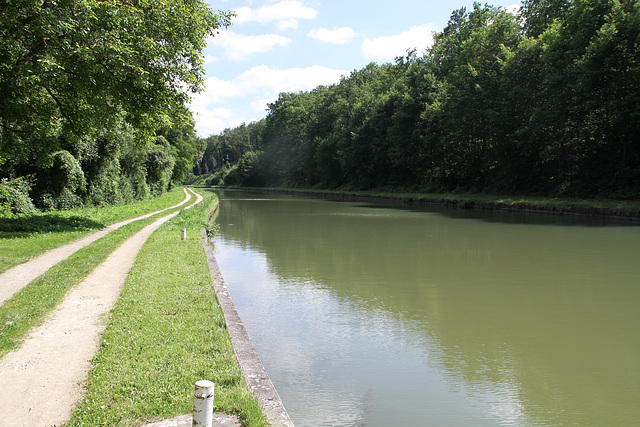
(546, 101)
(93, 99)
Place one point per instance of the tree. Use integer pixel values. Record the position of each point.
(585, 109)
(470, 57)
(540, 14)
(77, 65)
(546, 102)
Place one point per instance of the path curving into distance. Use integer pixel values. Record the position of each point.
(198, 199)
(41, 382)
(19, 276)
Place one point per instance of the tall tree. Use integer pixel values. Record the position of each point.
(540, 14)
(470, 57)
(77, 65)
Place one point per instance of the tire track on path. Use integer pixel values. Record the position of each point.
(19, 276)
(41, 382)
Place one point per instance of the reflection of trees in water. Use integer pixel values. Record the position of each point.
(540, 315)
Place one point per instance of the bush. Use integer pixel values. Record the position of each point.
(14, 197)
(61, 185)
(66, 172)
(64, 200)
(105, 188)
(159, 166)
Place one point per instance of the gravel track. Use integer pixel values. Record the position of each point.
(16, 278)
(42, 381)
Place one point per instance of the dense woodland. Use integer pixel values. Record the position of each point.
(93, 99)
(93, 107)
(544, 102)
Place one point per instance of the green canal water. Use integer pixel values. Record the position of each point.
(381, 315)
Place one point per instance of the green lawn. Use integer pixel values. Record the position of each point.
(29, 306)
(25, 236)
(166, 332)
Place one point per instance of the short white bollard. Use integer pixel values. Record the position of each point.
(203, 404)
(184, 234)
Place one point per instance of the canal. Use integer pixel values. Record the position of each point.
(381, 315)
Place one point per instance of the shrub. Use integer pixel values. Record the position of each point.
(14, 197)
(66, 172)
(159, 166)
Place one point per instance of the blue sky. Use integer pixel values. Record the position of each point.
(276, 46)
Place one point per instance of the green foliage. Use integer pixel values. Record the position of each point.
(14, 197)
(546, 102)
(107, 185)
(540, 14)
(64, 182)
(159, 165)
(247, 170)
(80, 64)
(86, 87)
(185, 148)
(222, 151)
(112, 166)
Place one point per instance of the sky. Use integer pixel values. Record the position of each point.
(275, 46)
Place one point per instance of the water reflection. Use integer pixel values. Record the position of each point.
(371, 315)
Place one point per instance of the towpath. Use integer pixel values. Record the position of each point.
(41, 381)
(16, 278)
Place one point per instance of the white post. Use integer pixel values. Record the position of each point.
(184, 234)
(203, 404)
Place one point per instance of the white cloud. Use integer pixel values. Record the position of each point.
(250, 92)
(238, 47)
(287, 24)
(208, 59)
(213, 121)
(216, 90)
(286, 13)
(514, 8)
(267, 81)
(243, 14)
(260, 105)
(341, 35)
(389, 47)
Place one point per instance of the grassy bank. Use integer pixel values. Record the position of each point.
(29, 306)
(25, 236)
(629, 209)
(166, 332)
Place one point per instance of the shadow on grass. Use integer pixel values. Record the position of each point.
(22, 226)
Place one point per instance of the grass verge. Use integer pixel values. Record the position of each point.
(166, 332)
(29, 306)
(25, 236)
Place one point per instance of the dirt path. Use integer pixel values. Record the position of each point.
(42, 380)
(16, 278)
(198, 199)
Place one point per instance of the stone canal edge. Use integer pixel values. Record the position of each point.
(256, 376)
(254, 372)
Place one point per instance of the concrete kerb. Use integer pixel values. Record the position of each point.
(256, 376)
(219, 420)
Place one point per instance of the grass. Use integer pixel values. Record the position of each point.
(25, 236)
(29, 306)
(166, 332)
